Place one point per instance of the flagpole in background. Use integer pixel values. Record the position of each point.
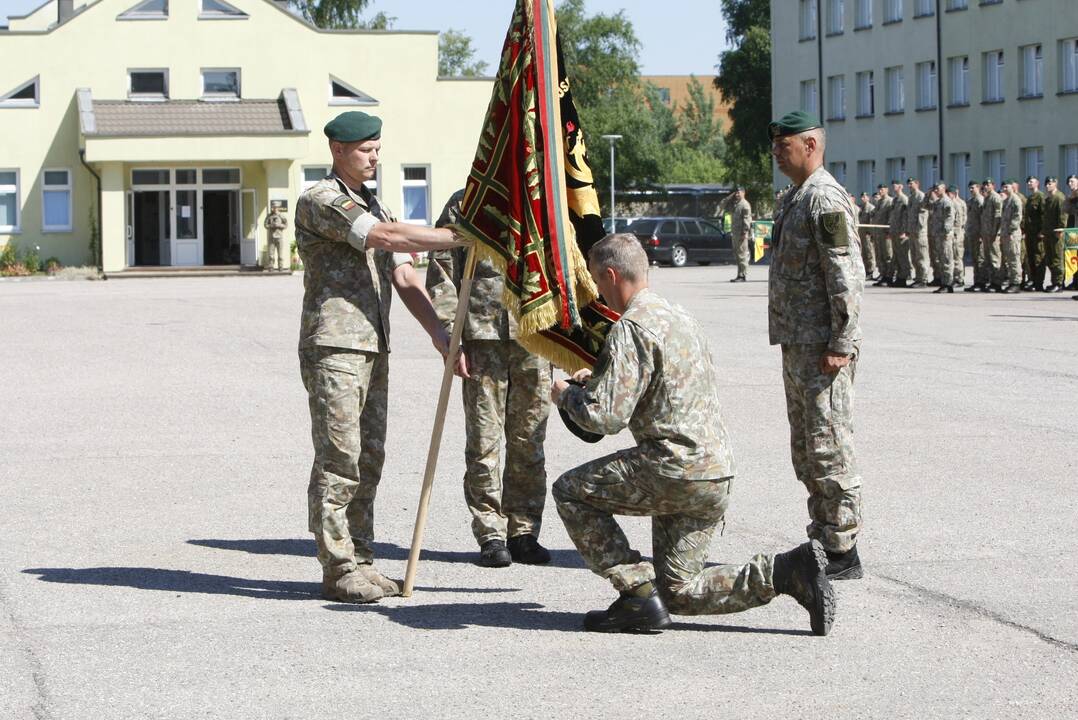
(439, 423)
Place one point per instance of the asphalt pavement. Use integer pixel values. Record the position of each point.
(155, 560)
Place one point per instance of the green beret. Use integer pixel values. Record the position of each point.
(353, 126)
(1051, 178)
(1009, 181)
(911, 179)
(988, 181)
(953, 189)
(881, 186)
(793, 123)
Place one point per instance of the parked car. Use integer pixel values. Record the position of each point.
(680, 240)
(619, 224)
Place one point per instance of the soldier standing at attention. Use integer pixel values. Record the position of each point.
(1010, 238)
(741, 225)
(352, 252)
(958, 257)
(974, 211)
(1034, 250)
(656, 376)
(941, 235)
(868, 251)
(900, 241)
(505, 397)
(917, 229)
(1053, 217)
(885, 256)
(991, 214)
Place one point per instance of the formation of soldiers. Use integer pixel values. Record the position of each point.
(921, 240)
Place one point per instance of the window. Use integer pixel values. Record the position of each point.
(147, 84)
(926, 85)
(924, 8)
(664, 95)
(866, 176)
(928, 170)
(959, 80)
(221, 176)
(56, 201)
(9, 201)
(808, 20)
(993, 76)
(26, 95)
(864, 14)
(220, 10)
(866, 94)
(892, 11)
(220, 84)
(836, 11)
(896, 94)
(957, 4)
(312, 175)
(1068, 57)
(1033, 162)
(1069, 157)
(896, 170)
(341, 93)
(374, 184)
(995, 161)
(1032, 71)
(146, 10)
(960, 170)
(838, 170)
(991, 2)
(416, 187)
(836, 89)
(149, 177)
(808, 97)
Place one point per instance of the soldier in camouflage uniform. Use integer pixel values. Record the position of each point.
(505, 397)
(814, 309)
(958, 241)
(1010, 237)
(941, 222)
(353, 252)
(868, 250)
(1034, 245)
(917, 229)
(1053, 217)
(656, 376)
(991, 213)
(900, 239)
(741, 227)
(974, 212)
(885, 256)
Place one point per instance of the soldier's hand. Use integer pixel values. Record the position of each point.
(832, 362)
(461, 367)
(556, 389)
(582, 375)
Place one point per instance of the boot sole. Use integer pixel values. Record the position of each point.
(644, 626)
(823, 615)
(852, 573)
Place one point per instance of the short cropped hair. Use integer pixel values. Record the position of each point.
(622, 252)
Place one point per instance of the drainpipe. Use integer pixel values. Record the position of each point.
(100, 239)
(819, 60)
(939, 85)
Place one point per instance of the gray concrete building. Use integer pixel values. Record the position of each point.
(951, 89)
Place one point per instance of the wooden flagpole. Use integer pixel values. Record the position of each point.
(439, 423)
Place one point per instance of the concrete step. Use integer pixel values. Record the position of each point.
(196, 271)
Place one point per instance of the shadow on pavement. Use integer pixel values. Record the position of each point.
(1037, 317)
(386, 551)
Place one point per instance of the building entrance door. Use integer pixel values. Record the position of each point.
(221, 220)
(150, 227)
(187, 219)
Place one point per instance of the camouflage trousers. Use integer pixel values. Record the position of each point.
(981, 273)
(885, 256)
(868, 254)
(348, 395)
(1053, 257)
(741, 252)
(903, 268)
(934, 256)
(993, 263)
(1012, 258)
(958, 258)
(684, 515)
(820, 410)
(943, 254)
(1036, 257)
(919, 256)
(506, 396)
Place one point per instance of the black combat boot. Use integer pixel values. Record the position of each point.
(630, 613)
(844, 566)
(527, 550)
(1011, 289)
(493, 554)
(918, 284)
(801, 574)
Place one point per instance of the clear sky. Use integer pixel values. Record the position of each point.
(678, 37)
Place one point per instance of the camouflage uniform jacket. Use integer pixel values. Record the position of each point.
(1071, 207)
(974, 211)
(1054, 215)
(487, 317)
(1010, 223)
(941, 217)
(960, 213)
(868, 211)
(740, 216)
(1033, 215)
(817, 277)
(347, 288)
(656, 376)
(991, 214)
(917, 214)
(897, 221)
(882, 216)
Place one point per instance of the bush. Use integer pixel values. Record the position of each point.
(32, 260)
(9, 256)
(53, 265)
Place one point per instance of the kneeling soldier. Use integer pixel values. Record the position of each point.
(655, 375)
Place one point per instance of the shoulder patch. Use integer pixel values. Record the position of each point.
(344, 202)
(833, 229)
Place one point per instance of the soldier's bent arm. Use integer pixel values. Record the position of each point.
(410, 289)
(444, 276)
(833, 234)
(623, 372)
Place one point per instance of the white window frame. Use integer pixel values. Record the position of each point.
(361, 98)
(895, 82)
(236, 14)
(896, 169)
(959, 80)
(1068, 160)
(838, 171)
(304, 183)
(1036, 167)
(836, 17)
(928, 170)
(810, 96)
(995, 170)
(866, 94)
(1068, 65)
(892, 11)
(7, 101)
(924, 8)
(222, 96)
(994, 68)
(957, 5)
(69, 188)
(416, 183)
(15, 190)
(134, 13)
(961, 168)
(132, 95)
(807, 19)
(836, 97)
(863, 18)
(1032, 71)
(866, 176)
(926, 85)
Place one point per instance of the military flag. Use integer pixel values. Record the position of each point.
(530, 200)
(1070, 255)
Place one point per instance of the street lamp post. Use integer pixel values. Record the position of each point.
(613, 139)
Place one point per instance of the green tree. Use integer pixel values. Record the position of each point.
(456, 56)
(341, 14)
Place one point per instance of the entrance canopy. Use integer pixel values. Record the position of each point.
(179, 130)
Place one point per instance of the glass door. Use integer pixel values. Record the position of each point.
(186, 221)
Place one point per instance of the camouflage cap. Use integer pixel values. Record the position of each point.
(793, 123)
(353, 126)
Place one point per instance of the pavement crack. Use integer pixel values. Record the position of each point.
(41, 703)
(980, 610)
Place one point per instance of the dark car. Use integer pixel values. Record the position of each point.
(680, 240)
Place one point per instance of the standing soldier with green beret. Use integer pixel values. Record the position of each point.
(741, 225)
(958, 258)
(941, 221)
(1053, 217)
(991, 214)
(505, 397)
(868, 250)
(900, 240)
(814, 310)
(1010, 238)
(917, 230)
(885, 256)
(974, 211)
(353, 253)
(1034, 251)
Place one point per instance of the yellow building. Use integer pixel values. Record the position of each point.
(674, 93)
(172, 124)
